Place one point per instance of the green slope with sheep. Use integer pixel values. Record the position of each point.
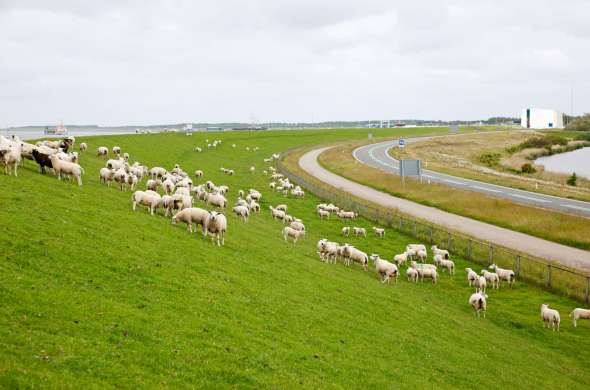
(95, 295)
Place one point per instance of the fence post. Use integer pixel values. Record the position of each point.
(517, 265)
(415, 229)
(548, 281)
(587, 289)
(431, 242)
(401, 224)
(449, 241)
(389, 219)
(469, 249)
(491, 255)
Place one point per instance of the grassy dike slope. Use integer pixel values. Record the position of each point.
(94, 295)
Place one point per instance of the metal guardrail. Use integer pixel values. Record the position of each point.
(545, 274)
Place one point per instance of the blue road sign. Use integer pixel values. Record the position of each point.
(402, 142)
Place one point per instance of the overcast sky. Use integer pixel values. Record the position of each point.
(147, 62)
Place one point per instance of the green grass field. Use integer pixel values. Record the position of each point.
(93, 295)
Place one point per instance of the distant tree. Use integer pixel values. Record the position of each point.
(527, 168)
(581, 123)
(571, 181)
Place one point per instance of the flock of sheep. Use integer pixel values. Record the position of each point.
(178, 194)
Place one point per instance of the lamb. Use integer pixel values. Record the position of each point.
(478, 302)
(385, 269)
(413, 249)
(198, 173)
(412, 274)
(480, 284)
(26, 151)
(216, 225)
(168, 186)
(106, 176)
(276, 214)
(297, 225)
(428, 273)
(254, 207)
(102, 151)
(146, 198)
(131, 180)
(120, 176)
(356, 255)
(359, 231)
(329, 250)
(83, 147)
(66, 167)
(445, 264)
(242, 211)
(379, 232)
(472, 276)
(153, 184)
(298, 193)
(347, 214)
(191, 215)
(116, 150)
(579, 313)
(491, 278)
(217, 200)
(115, 163)
(43, 160)
(10, 156)
(323, 214)
(443, 252)
(400, 258)
(504, 274)
(293, 233)
(550, 317)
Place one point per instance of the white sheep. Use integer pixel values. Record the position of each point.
(69, 168)
(491, 278)
(282, 207)
(102, 151)
(472, 276)
(379, 232)
(297, 225)
(480, 284)
(346, 231)
(445, 264)
(385, 269)
(347, 214)
(329, 250)
(116, 150)
(252, 169)
(359, 231)
(504, 274)
(150, 199)
(216, 225)
(412, 274)
(443, 252)
(106, 176)
(293, 233)
(323, 214)
(579, 313)
(550, 317)
(191, 215)
(242, 212)
(83, 146)
(216, 200)
(478, 302)
(152, 184)
(400, 259)
(356, 255)
(198, 173)
(10, 156)
(276, 214)
(254, 207)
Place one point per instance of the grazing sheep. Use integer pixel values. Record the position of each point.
(400, 258)
(242, 211)
(379, 232)
(168, 186)
(157, 172)
(472, 276)
(550, 317)
(106, 176)
(359, 231)
(68, 168)
(347, 214)
(425, 271)
(385, 269)
(579, 313)
(412, 274)
(443, 252)
(323, 214)
(217, 200)
(356, 255)
(254, 207)
(504, 274)
(191, 215)
(146, 198)
(72, 157)
(297, 225)
(83, 147)
(116, 150)
(444, 264)
(10, 156)
(478, 302)
(293, 233)
(282, 207)
(276, 214)
(153, 184)
(346, 231)
(115, 163)
(102, 151)
(491, 278)
(216, 225)
(198, 173)
(26, 151)
(413, 249)
(480, 284)
(43, 160)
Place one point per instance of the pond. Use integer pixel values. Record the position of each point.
(576, 161)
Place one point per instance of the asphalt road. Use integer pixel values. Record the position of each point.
(571, 257)
(377, 156)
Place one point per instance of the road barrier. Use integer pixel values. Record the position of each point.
(547, 275)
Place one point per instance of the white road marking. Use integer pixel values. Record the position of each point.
(428, 176)
(453, 182)
(575, 207)
(529, 198)
(485, 189)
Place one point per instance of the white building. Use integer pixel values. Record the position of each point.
(541, 118)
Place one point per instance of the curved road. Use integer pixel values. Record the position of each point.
(377, 156)
(571, 257)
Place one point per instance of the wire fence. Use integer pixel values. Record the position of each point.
(550, 276)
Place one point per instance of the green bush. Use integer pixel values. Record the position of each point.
(572, 180)
(527, 168)
(490, 159)
(538, 142)
(584, 136)
(580, 124)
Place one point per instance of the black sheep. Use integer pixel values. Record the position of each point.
(42, 159)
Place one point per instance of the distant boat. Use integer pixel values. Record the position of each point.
(57, 130)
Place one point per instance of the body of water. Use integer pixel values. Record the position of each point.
(576, 161)
(36, 133)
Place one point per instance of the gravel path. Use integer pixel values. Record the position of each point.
(568, 256)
